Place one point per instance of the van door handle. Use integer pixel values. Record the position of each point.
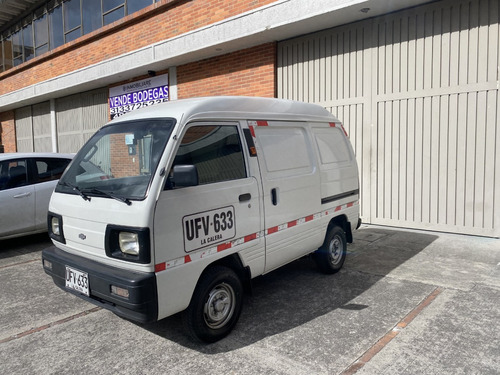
(245, 197)
(274, 196)
(22, 195)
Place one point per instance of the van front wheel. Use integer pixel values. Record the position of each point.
(215, 306)
(331, 255)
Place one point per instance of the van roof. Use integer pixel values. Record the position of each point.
(235, 107)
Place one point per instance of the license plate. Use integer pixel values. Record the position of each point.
(77, 280)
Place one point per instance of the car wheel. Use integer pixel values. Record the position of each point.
(215, 305)
(331, 255)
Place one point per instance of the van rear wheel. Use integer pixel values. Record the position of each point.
(331, 255)
(215, 306)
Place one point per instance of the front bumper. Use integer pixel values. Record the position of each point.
(141, 305)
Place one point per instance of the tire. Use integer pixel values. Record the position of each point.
(215, 305)
(331, 255)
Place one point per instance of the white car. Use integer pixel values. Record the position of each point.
(27, 181)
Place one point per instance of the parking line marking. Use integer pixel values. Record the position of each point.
(52, 324)
(17, 264)
(379, 345)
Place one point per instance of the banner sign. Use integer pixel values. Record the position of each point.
(135, 95)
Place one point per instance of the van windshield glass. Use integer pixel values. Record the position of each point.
(118, 161)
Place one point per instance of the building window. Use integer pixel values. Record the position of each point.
(135, 5)
(58, 22)
(17, 48)
(112, 10)
(72, 20)
(28, 44)
(41, 26)
(91, 15)
(56, 36)
(1, 65)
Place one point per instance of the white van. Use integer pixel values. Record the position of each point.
(176, 207)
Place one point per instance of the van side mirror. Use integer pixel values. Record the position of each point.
(184, 176)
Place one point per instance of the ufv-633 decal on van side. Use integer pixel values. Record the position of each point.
(208, 228)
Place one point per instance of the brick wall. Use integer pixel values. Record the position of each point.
(157, 22)
(248, 72)
(8, 131)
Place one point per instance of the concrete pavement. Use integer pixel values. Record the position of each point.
(406, 302)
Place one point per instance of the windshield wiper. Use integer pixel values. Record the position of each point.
(77, 189)
(109, 195)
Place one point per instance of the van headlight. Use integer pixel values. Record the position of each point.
(55, 227)
(127, 243)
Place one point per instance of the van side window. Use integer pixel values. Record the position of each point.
(215, 151)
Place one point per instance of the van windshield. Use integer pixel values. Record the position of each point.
(119, 161)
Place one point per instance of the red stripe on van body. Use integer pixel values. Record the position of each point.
(250, 237)
(262, 123)
(203, 253)
(160, 267)
(224, 246)
(272, 230)
(252, 131)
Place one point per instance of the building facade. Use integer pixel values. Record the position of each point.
(416, 84)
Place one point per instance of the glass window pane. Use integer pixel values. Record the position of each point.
(17, 174)
(7, 53)
(73, 35)
(18, 60)
(107, 5)
(50, 169)
(29, 50)
(41, 31)
(1, 56)
(17, 48)
(56, 28)
(91, 15)
(215, 151)
(135, 5)
(17, 44)
(41, 50)
(72, 16)
(114, 16)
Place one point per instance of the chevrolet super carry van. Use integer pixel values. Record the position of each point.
(177, 206)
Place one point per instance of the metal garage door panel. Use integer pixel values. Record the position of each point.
(437, 105)
(78, 117)
(24, 129)
(418, 93)
(42, 138)
(329, 68)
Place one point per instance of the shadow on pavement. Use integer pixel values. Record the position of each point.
(24, 245)
(298, 293)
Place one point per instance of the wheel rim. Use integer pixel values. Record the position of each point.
(219, 307)
(335, 250)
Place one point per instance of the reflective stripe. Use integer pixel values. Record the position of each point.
(200, 254)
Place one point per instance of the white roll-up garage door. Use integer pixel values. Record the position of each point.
(418, 93)
(77, 118)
